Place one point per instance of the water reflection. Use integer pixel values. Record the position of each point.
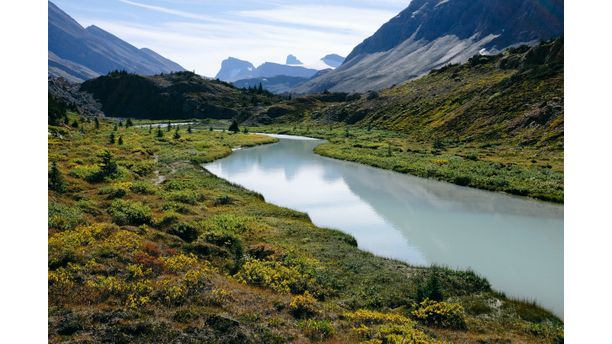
(516, 243)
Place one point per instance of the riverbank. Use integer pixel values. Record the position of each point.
(198, 258)
(493, 166)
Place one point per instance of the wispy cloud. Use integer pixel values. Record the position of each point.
(200, 34)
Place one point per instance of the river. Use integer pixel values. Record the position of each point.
(516, 243)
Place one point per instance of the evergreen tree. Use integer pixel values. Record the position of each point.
(245, 130)
(121, 124)
(129, 123)
(56, 181)
(234, 127)
(169, 126)
(160, 133)
(108, 166)
(115, 127)
(111, 138)
(176, 134)
(260, 89)
(210, 128)
(189, 129)
(97, 123)
(75, 124)
(120, 140)
(389, 152)
(150, 128)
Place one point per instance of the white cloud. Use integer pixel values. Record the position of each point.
(201, 42)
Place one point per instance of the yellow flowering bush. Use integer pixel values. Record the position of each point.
(219, 296)
(274, 275)
(440, 314)
(303, 305)
(60, 278)
(179, 262)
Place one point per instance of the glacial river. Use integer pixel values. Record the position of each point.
(516, 243)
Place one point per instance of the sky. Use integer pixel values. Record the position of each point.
(199, 34)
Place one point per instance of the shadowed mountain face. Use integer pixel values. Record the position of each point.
(432, 33)
(78, 53)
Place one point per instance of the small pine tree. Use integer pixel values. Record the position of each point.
(121, 124)
(75, 124)
(260, 89)
(150, 129)
(346, 132)
(56, 181)
(108, 165)
(160, 133)
(210, 129)
(115, 127)
(245, 130)
(120, 140)
(169, 126)
(389, 152)
(176, 134)
(111, 138)
(189, 129)
(97, 123)
(129, 123)
(234, 127)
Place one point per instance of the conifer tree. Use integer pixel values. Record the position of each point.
(115, 127)
(97, 123)
(108, 166)
(56, 181)
(234, 127)
(160, 133)
(150, 128)
(111, 138)
(120, 140)
(176, 134)
(129, 123)
(260, 89)
(189, 129)
(169, 126)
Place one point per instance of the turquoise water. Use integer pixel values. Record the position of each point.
(516, 243)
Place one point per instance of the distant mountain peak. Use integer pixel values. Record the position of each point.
(333, 60)
(292, 60)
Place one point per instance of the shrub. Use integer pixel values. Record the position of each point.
(223, 200)
(274, 275)
(185, 231)
(129, 212)
(64, 217)
(303, 306)
(440, 314)
(432, 290)
(114, 191)
(317, 329)
(143, 188)
(462, 180)
(186, 196)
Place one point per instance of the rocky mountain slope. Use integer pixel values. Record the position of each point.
(78, 53)
(432, 33)
(173, 96)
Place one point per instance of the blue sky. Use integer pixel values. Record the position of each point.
(199, 34)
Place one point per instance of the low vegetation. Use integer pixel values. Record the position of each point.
(147, 246)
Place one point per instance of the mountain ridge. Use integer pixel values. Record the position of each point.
(79, 53)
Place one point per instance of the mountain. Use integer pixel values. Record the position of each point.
(292, 60)
(276, 84)
(78, 53)
(177, 95)
(432, 33)
(233, 69)
(514, 97)
(333, 60)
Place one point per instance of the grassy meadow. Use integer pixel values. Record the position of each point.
(147, 246)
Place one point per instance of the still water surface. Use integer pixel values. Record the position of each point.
(516, 243)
